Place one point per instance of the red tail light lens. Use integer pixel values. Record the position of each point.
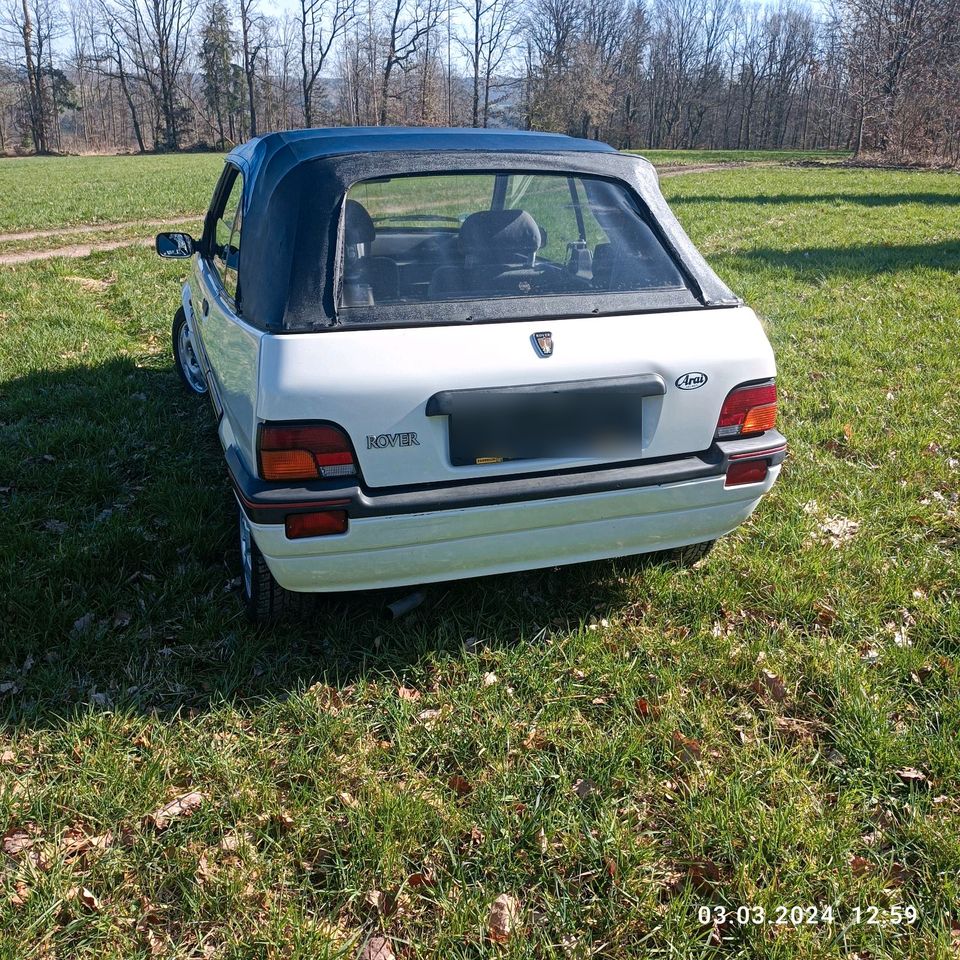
(320, 524)
(746, 471)
(748, 411)
(310, 452)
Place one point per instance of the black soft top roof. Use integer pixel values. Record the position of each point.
(294, 187)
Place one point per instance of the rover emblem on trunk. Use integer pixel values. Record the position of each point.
(544, 342)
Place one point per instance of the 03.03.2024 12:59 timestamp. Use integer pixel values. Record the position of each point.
(747, 915)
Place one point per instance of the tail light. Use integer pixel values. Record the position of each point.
(748, 411)
(307, 452)
(321, 524)
(746, 471)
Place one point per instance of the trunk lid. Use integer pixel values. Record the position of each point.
(662, 378)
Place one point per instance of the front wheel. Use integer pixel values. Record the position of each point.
(184, 357)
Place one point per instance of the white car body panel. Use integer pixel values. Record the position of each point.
(373, 382)
(445, 545)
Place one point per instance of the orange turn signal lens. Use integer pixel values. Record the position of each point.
(287, 464)
(760, 419)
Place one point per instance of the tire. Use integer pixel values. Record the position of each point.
(184, 359)
(687, 556)
(264, 600)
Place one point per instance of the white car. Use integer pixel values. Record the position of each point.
(437, 354)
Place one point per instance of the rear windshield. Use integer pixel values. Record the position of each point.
(443, 237)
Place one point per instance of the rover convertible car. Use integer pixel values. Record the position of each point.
(437, 354)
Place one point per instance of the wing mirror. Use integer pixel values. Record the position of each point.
(175, 246)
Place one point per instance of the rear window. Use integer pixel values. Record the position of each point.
(445, 237)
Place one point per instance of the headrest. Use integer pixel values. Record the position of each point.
(500, 236)
(358, 227)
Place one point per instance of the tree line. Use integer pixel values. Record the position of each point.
(880, 77)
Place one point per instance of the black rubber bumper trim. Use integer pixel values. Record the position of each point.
(270, 503)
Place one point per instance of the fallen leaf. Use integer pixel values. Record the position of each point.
(8, 756)
(687, 749)
(583, 788)
(75, 843)
(82, 625)
(422, 878)
(429, 718)
(489, 678)
(504, 913)
(20, 894)
(348, 800)
(384, 903)
(459, 785)
(770, 686)
(408, 693)
(911, 776)
(703, 874)
(16, 841)
(204, 872)
(377, 948)
(534, 739)
(182, 806)
(646, 709)
(86, 897)
(897, 875)
(836, 531)
(860, 866)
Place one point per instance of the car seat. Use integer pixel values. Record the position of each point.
(366, 279)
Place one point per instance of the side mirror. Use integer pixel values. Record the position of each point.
(175, 246)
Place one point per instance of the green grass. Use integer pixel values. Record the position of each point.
(128, 675)
(696, 157)
(49, 192)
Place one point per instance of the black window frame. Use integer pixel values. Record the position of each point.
(208, 247)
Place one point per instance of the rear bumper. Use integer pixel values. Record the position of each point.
(408, 548)
(270, 503)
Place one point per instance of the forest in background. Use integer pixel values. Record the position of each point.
(878, 77)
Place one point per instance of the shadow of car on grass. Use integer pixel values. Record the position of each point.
(118, 542)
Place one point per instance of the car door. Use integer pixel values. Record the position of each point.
(231, 345)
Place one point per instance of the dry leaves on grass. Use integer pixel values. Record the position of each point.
(912, 776)
(503, 919)
(76, 843)
(431, 717)
(377, 948)
(584, 787)
(408, 693)
(686, 749)
(835, 531)
(461, 786)
(646, 709)
(85, 897)
(769, 686)
(182, 806)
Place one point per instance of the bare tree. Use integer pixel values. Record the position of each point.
(410, 24)
(488, 41)
(321, 22)
(155, 35)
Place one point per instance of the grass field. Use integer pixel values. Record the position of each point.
(615, 745)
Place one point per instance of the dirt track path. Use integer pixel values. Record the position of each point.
(85, 249)
(94, 228)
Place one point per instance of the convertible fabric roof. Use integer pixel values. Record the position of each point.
(294, 187)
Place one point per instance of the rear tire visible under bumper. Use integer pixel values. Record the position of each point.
(409, 549)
